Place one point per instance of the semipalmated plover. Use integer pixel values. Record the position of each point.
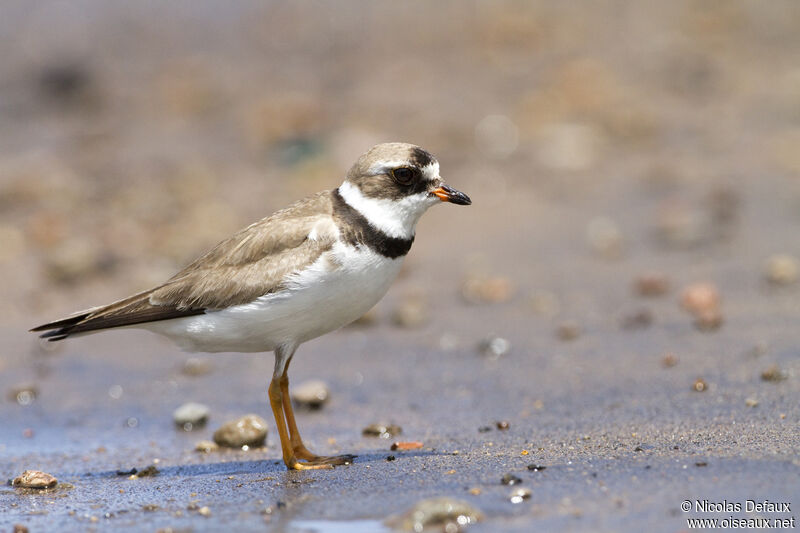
(302, 272)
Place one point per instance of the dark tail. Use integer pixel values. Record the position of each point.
(60, 329)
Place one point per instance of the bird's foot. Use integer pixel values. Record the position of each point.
(317, 462)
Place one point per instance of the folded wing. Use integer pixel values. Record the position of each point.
(253, 262)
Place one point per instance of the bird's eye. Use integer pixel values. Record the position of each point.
(403, 175)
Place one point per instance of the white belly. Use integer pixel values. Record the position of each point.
(338, 288)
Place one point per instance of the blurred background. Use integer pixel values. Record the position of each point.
(135, 136)
(627, 161)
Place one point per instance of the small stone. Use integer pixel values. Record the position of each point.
(604, 237)
(390, 457)
(536, 468)
(191, 415)
(700, 385)
(568, 331)
(311, 394)
(475, 491)
(487, 289)
(249, 430)
(206, 446)
(23, 394)
(195, 366)
(35, 479)
(383, 431)
(149, 471)
(640, 319)
(510, 479)
(204, 511)
(651, 284)
(412, 312)
(669, 360)
(700, 298)
(437, 514)
(20, 528)
(708, 320)
(520, 494)
(502, 425)
(406, 445)
(129, 472)
(751, 402)
(701, 463)
(782, 269)
(774, 373)
(494, 347)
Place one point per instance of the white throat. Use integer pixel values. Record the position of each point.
(396, 218)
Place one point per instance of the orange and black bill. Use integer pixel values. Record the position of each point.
(449, 194)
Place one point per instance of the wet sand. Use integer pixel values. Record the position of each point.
(680, 161)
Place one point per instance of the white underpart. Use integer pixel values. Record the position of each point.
(396, 218)
(342, 285)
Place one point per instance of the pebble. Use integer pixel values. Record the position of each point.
(774, 373)
(700, 297)
(23, 394)
(35, 479)
(669, 360)
(406, 445)
(502, 425)
(195, 366)
(520, 494)
(19, 528)
(700, 385)
(751, 402)
(494, 347)
(487, 289)
(782, 269)
(383, 431)
(510, 479)
(651, 284)
(437, 514)
(249, 430)
(312, 394)
(191, 415)
(604, 237)
(412, 312)
(536, 468)
(204, 511)
(640, 319)
(206, 446)
(708, 320)
(148, 471)
(568, 331)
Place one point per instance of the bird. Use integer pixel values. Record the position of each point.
(293, 276)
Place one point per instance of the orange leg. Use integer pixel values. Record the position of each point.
(296, 442)
(295, 454)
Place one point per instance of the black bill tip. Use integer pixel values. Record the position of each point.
(449, 194)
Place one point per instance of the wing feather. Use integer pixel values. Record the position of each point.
(253, 262)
